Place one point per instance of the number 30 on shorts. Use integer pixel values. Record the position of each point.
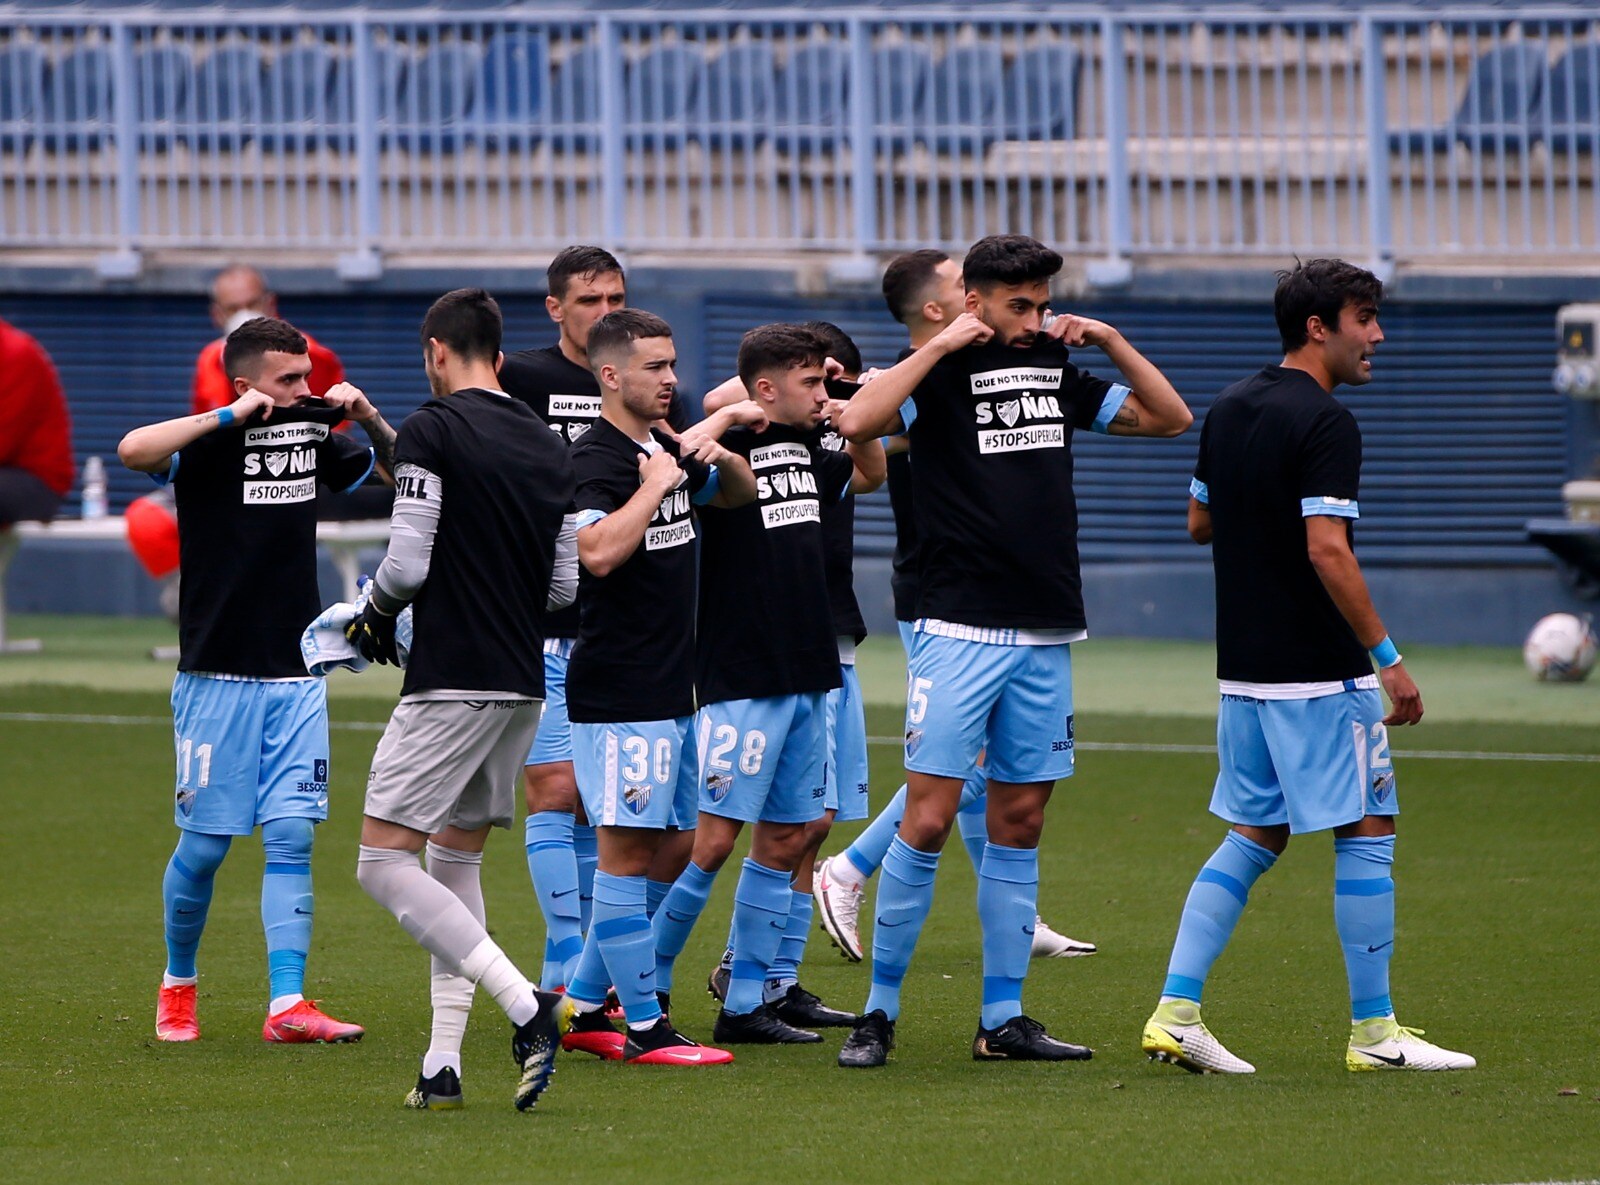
(717, 744)
(637, 762)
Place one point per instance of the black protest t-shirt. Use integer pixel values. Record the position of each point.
(566, 397)
(766, 628)
(505, 484)
(247, 538)
(839, 548)
(1274, 449)
(991, 475)
(634, 658)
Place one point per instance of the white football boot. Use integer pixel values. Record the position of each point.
(1174, 1034)
(1051, 944)
(1382, 1044)
(839, 908)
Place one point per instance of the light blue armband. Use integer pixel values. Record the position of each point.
(1385, 654)
(224, 416)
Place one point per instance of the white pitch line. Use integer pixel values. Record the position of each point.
(1086, 746)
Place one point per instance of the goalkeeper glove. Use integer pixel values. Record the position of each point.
(372, 634)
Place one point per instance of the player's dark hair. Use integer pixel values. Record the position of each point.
(778, 346)
(582, 261)
(468, 321)
(243, 350)
(1320, 288)
(841, 348)
(616, 332)
(906, 281)
(1008, 259)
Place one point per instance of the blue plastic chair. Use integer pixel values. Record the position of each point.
(163, 83)
(965, 92)
(901, 75)
(1042, 93)
(812, 97)
(511, 87)
(21, 95)
(1572, 100)
(298, 105)
(228, 97)
(574, 120)
(436, 92)
(78, 100)
(660, 91)
(737, 97)
(1497, 108)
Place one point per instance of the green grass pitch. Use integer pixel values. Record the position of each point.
(1497, 950)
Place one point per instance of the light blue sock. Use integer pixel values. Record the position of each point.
(554, 870)
(869, 848)
(760, 917)
(905, 895)
(655, 892)
(1363, 911)
(1008, 902)
(674, 921)
(1212, 911)
(785, 969)
(286, 903)
(186, 896)
(590, 980)
(973, 824)
(624, 937)
(586, 851)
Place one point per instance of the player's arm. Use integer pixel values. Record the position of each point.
(746, 413)
(735, 480)
(413, 523)
(1199, 521)
(871, 465)
(723, 395)
(356, 406)
(604, 545)
(564, 571)
(149, 449)
(1153, 406)
(874, 410)
(1328, 545)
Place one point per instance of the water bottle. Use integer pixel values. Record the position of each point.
(94, 488)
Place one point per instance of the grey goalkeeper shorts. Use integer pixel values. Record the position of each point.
(451, 762)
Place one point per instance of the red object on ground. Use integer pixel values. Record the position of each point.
(153, 534)
(35, 426)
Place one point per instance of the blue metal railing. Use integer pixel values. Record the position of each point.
(1381, 134)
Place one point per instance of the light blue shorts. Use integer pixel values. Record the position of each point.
(764, 760)
(1311, 763)
(638, 774)
(553, 741)
(248, 752)
(908, 635)
(965, 697)
(846, 768)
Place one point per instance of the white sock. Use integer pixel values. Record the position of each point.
(171, 981)
(643, 1026)
(488, 965)
(584, 1006)
(451, 992)
(846, 873)
(280, 1003)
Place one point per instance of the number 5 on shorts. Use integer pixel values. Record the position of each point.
(917, 700)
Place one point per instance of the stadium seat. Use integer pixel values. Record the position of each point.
(1571, 113)
(966, 93)
(812, 97)
(299, 107)
(511, 87)
(1498, 107)
(1042, 93)
(228, 98)
(737, 96)
(164, 81)
(436, 91)
(21, 94)
(574, 120)
(78, 100)
(900, 75)
(661, 90)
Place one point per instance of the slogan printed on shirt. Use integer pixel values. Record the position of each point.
(573, 415)
(280, 463)
(672, 525)
(786, 488)
(1023, 422)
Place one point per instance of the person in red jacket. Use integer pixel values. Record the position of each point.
(238, 294)
(36, 466)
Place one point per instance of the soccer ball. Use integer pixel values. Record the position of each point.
(1560, 649)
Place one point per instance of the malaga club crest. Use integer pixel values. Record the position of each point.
(637, 798)
(718, 785)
